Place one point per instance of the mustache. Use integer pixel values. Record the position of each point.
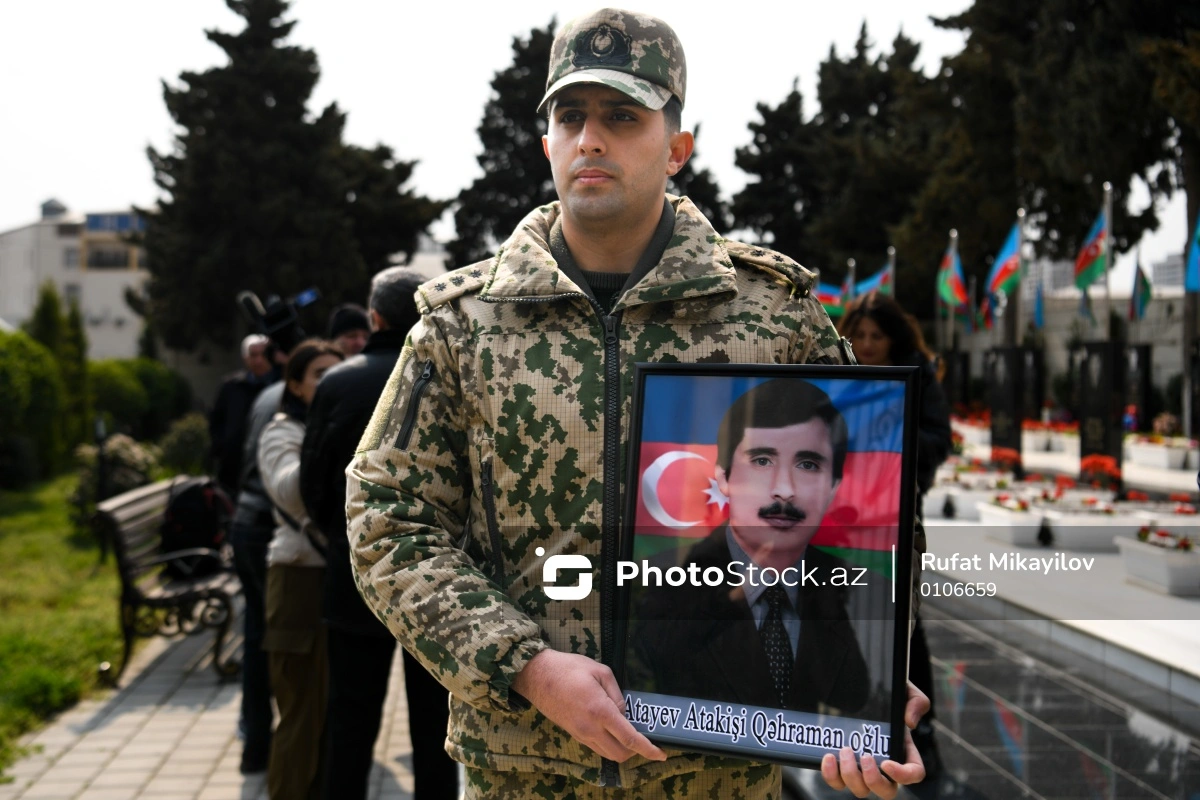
(782, 509)
(581, 164)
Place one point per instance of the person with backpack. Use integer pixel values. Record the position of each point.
(295, 635)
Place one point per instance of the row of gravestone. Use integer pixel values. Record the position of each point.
(1105, 378)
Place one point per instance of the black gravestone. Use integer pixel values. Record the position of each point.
(1033, 382)
(1101, 375)
(1003, 368)
(1138, 382)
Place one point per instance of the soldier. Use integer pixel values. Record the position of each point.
(499, 439)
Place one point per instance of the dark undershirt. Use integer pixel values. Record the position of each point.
(607, 287)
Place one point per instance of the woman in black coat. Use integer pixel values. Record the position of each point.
(883, 335)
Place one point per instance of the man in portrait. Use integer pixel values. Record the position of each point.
(781, 450)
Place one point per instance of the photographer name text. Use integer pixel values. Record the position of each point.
(1007, 562)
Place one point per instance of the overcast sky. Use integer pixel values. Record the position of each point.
(80, 82)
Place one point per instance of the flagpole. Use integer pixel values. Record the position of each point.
(1013, 324)
(950, 308)
(850, 286)
(1109, 253)
(892, 267)
(972, 306)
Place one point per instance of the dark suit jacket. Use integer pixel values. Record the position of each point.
(340, 411)
(702, 642)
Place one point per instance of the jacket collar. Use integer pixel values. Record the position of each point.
(695, 263)
(385, 341)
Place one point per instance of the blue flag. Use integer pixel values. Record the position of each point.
(1191, 275)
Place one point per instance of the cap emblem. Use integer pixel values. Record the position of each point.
(603, 46)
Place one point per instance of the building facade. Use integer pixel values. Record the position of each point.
(89, 260)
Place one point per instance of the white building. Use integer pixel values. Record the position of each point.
(1162, 327)
(89, 261)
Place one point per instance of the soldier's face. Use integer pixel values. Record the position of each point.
(610, 157)
(779, 485)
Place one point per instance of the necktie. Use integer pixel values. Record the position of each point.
(776, 643)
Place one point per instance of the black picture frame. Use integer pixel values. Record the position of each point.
(685, 654)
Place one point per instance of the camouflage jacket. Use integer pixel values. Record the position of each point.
(500, 440)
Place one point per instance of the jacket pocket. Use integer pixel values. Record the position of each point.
(414, 403)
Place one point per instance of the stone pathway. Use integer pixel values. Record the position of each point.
(170, 733)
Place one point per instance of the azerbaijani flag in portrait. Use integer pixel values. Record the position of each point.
(678, 500)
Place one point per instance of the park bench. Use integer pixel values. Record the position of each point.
(153, 603)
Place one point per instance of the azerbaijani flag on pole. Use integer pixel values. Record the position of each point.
(1191, 274)
(1141, 293)
(678, 498)
(830, 297)
(1092, 260)
(986, 313)
(881, 282)
(1006, 271)
(952, 286)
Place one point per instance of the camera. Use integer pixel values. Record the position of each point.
(278, 320)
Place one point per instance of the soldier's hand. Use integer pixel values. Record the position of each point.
(841, 771)
(581, 696)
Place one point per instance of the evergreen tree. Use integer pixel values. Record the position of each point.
(47, 323)
(1175, 63)
(72, 363)
(873, 132)
(259, 194)
(783, 156)
(516, 173)
(1087, 113)
(700, 186)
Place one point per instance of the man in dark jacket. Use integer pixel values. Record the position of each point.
(360, 647)
(227, 422)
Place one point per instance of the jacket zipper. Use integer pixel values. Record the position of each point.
(610, 774)
(489, 510)
(410, 416)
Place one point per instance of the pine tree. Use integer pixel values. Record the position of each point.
(72, 363)
(516, 174)
(47, 323)
(783, 155)
(260, 194)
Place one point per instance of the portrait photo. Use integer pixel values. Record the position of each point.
(766, 566)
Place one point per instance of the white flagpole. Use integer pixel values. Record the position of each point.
(1109, 252)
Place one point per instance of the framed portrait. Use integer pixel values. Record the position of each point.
(765, 575)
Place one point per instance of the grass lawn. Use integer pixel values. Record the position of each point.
(58, 610)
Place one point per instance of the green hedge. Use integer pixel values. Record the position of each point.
(139, 396)
(32, 437)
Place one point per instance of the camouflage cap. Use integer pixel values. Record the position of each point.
(636, 54)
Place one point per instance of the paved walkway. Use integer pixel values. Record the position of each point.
(170, 733)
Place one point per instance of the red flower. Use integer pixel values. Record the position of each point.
(1180, 497)
(1137, 496)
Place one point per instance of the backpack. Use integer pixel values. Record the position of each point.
(197, 515)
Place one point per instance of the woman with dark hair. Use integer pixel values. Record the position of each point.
(295, 637)
(884, 335)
